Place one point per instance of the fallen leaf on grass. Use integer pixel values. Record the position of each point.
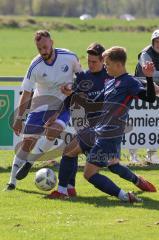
(121, 220)
(17, 225)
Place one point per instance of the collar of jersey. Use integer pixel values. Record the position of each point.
(121, 76)
(54, 60)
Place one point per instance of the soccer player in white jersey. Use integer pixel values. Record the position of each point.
(49, 71)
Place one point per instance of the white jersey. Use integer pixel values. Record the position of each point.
(45, 79)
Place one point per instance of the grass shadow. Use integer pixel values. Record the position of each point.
(5, 170)
(105, 201)
(29, 191)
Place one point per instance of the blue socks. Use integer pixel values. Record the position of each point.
(72, 180)
(67, 171)
(104, 184)
(123, 172)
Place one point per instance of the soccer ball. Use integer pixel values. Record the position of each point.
(45, 179)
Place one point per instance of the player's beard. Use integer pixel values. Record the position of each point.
(47, 57)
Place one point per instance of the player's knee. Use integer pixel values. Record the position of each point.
(86, 176)
(67, 152)
(28, 144)
(113, 168)
(71, 151)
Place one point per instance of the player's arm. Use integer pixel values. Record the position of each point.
(81, 99)
(27, 87)
(77, 68)
(23, 104)
(149, 93)
(24, 101)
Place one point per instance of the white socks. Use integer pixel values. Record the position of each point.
(17, 163)
(69, 186)
(122, 195)
(62, 190)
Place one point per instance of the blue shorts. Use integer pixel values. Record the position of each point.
(105, 150)
(36, 120)
(86, 139)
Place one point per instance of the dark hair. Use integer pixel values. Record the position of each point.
(95, 49)
(42, 33)
(116, 54)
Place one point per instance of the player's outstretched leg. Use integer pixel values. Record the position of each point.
(125, 173)
(106, 185)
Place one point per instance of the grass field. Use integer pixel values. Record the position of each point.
(17, 46)
(24, 213)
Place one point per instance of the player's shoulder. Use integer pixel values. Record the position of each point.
(65, 53)
(34, 65)
(85, 74)
(36, 60)
(126, 79)
(133, 81)
(132, 78)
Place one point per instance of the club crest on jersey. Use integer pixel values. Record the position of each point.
(64, 68)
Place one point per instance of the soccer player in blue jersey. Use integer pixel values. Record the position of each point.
(84, 142)
(118, 97)
(50, 70)
(92, 83)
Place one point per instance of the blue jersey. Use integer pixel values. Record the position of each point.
(123, 89)
(93, 86)
(118, 96)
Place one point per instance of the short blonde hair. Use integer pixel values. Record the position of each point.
(116, 54)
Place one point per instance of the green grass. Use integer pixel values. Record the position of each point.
(25, 214)
(17, 46)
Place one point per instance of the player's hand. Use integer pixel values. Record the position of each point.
(148, 69)
(17, 126)
(66, 89)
